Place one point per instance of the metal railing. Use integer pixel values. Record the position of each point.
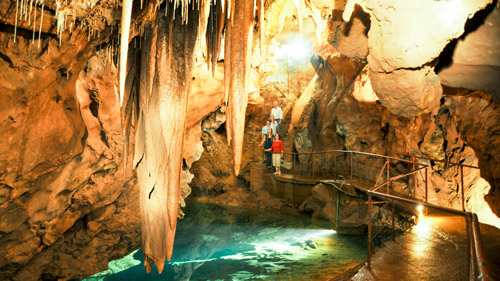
(347, 163)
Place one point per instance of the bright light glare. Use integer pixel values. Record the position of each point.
(420, 208)
(421, 243)
(296, 50)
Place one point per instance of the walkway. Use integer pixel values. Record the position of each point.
(435, 249)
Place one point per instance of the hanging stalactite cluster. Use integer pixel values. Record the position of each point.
(160, 126)
(30, 14)
(166, 60)
(237, 55)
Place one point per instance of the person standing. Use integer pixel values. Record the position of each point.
(268, 143)
(274, 125)
(278, 115)
(265, 130)
(277, 149)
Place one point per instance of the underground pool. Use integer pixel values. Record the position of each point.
(229, 243)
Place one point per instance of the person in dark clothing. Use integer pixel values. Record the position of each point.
(268, 143)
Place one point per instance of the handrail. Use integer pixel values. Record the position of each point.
(397, 177)
(437, 160)
(484, 272)
(382, 171)
(355, 152)
(416, 202)
(471, 218)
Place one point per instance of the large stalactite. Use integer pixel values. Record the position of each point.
(237, 55)
(166, 62)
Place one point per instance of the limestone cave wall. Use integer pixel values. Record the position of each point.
(67, 207)
(68, 186)
(461, 130)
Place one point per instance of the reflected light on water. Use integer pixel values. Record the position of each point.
(214, 243)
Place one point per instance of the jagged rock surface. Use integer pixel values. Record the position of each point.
(403, 42)
(448, 132)
(67, 207)
(474, 62)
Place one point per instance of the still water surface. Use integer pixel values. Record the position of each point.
(227, 243)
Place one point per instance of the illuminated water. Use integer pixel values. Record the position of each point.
(216, 243)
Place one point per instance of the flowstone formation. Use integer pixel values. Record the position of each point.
(404, 43)
(461, 130)
(160, 129)
(66, 198)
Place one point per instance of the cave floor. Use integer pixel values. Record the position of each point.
(435, 249)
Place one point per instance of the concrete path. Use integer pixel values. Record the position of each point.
(435, 249)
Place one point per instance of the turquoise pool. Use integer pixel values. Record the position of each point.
(228, 243)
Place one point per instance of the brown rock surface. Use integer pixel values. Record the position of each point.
(351, 38)
(407, 92)
(66, 206)
(475, 60)
(448, 132)
(214, 169)
(403, 41)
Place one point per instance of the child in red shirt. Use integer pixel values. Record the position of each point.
(277, 149)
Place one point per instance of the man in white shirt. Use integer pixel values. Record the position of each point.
(278, 115)
(274, 125)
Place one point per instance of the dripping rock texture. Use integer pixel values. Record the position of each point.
(163, 99)
(238, 51)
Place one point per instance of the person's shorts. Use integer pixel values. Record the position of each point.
(276, 159)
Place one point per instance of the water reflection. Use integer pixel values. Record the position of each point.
(216, 243)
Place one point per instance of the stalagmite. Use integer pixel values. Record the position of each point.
(166, 62)
(125, 30)
(237, 73)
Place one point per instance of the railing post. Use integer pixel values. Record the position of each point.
(393, 213)
(414, 177)
(338, 210)
(312, 165)
(369, 230)
(351, 165)
(462, 184)
(388, 176)
(253, 151)
(426, 184)
(335, 164)
(470, 247)
(482, 265)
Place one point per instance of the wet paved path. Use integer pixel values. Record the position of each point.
(435, 249)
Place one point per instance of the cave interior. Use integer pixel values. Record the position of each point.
(118, 116)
